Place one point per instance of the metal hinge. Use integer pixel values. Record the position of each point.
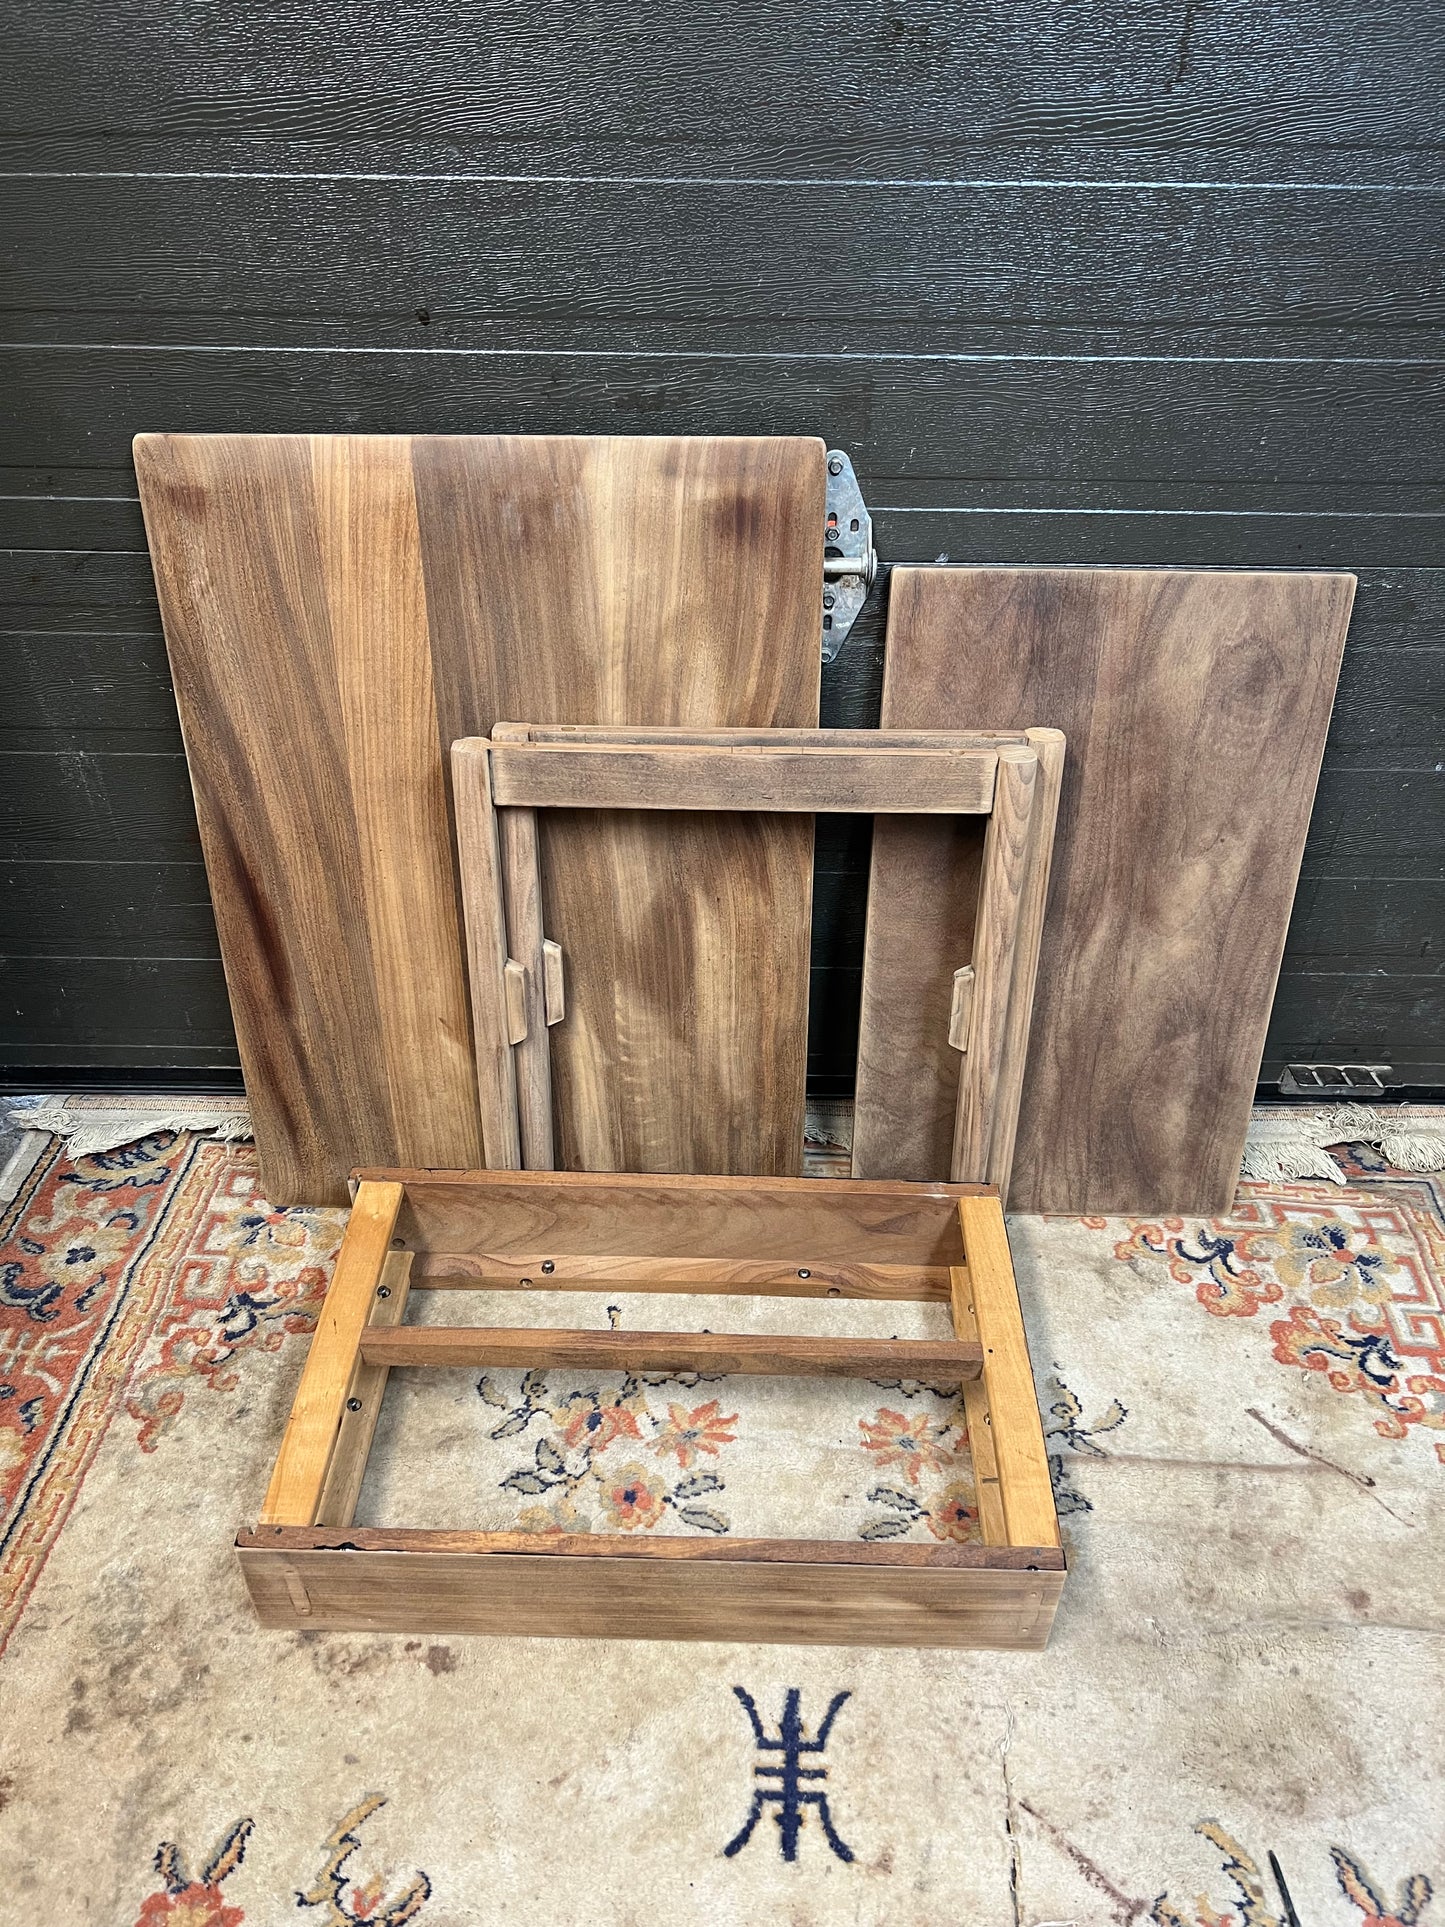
(1334, 1080)
(850, 562)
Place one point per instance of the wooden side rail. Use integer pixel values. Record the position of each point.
(298, 1481)
(521, 1348)
(986, 1297)
(614, 776)
(766, 1278)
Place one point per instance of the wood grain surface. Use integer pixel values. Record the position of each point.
(1195, 704)
(799, 1220)
(937, 1361)
(337, 611)
(608, 1592)
(299, 1476)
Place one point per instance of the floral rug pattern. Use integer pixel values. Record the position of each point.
(1246, 1426)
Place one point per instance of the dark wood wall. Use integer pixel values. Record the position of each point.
(1082, 282)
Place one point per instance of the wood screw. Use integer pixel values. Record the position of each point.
(383, 1291)
(804, 1273)
(353, 1405)
(548, 1266)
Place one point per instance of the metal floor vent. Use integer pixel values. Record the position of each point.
(1334, 1080)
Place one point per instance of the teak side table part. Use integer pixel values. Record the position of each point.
(308, 1567)
(339, 608)
(521, 978)
(1196, 704)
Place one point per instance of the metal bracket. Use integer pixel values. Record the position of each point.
(850, 562)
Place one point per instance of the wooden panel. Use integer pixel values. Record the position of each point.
(837, 1220)
(535, 1270)
(566, 579)
(1195, 706)
(742, 777)
(290, 581)
(548, 1592)
(299, 1476)
(933, 1360)
(1020, 1458)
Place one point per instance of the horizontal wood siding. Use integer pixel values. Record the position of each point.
(1074, 284)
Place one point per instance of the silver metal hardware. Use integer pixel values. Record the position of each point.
(1334, 1080)
(850, 562)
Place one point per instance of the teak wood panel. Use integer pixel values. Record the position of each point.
(616, 1214)
(590, 1587)
(338, 609)
(1195, 704)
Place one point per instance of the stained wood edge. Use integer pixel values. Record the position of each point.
(748, 1354)
(485, 931)
(925, 1191)
(706, 1277)
(680, 735)
(590, 1545)
(804, 778)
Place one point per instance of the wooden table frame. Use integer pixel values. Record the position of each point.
(307, 1566)
(517, 974)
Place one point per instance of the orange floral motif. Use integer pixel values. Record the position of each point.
(597, 1425)
(704, 1429)
(1360, 1284)
(914, 1445)
(632, 1499)
(952, 1516)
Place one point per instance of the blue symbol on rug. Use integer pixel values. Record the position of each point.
(790, 1796)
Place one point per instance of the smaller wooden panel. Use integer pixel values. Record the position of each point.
(609, 776)
(992, 1523)
(299, 1477)
(633, 1351)
(1017, 1431)
(609, 1214)
(1006, 851)
(486, 933)
(1196, 704)
(1048, 746)
(536, 1270)
(364, 1394)
(788, 1601)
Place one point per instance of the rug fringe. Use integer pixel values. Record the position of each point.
(89, 1132)
(1295, 1146)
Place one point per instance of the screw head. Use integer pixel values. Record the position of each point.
(383, 1291)
(804, 1272)
(548, 1266)
(353, 1405)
